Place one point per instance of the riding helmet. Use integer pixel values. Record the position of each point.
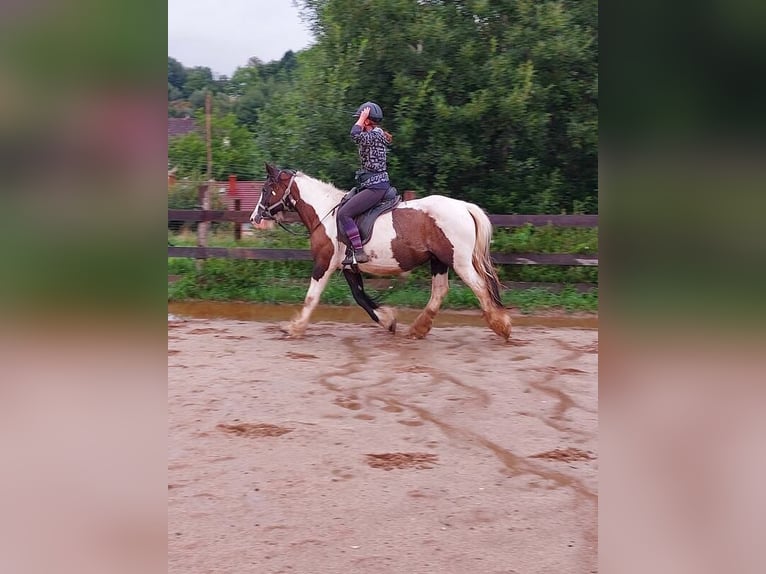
(376, 112)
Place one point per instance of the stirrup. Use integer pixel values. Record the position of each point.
(355, 256)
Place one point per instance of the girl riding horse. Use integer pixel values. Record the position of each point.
(436, 230)
(373, 183)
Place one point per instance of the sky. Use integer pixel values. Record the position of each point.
(224, 34)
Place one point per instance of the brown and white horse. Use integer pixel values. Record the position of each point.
(439, 230)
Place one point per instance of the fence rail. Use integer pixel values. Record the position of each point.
(497, 220)
(273, 254)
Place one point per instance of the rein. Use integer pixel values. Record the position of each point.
(310, 231)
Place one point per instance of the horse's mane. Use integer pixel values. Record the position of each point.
(328, 189)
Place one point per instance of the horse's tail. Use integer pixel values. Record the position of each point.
(482, 261)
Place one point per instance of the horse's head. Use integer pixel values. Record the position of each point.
(276, 194)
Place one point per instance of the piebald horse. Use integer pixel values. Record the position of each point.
(439, 230)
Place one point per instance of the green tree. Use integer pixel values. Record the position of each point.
(252, 86)
(174, 93)
(234, 150)
(489, 101)
(176, 74)
(198, 79)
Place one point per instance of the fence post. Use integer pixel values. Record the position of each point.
(409, 195)
(237, 224)
(237, 205)
(202, 226)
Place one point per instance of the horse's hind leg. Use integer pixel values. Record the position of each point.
(486, 290)
(385, 316)
(439, 287)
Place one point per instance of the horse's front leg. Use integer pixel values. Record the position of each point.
(297, 327)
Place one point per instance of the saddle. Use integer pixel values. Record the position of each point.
(366, 220)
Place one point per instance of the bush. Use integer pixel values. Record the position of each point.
(185, 195)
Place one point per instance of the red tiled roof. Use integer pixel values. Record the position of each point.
(180, 126)
(247, 192)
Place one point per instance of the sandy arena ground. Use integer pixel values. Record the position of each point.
(355, 451)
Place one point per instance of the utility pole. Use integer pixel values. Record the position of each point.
(208, 134)
(203, 226)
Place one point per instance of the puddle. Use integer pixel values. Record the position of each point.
(274, 313)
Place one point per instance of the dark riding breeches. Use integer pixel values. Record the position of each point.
(359, 203)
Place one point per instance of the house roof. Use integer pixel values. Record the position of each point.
(180, 126)
(247, 192)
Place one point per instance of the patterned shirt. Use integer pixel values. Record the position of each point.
(373, 147)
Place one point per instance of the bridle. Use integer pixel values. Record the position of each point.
(287, 202)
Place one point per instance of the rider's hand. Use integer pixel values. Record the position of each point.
(363, 121)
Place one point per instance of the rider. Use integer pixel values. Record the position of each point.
(373, 144)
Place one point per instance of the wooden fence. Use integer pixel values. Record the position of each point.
(575, 259)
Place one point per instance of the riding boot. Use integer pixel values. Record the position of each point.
(361, 256)
(355, 256)
(358, 255)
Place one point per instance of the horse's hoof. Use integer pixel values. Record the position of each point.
(294, 336)
(291, 331)
(416, 335)
(386, 318)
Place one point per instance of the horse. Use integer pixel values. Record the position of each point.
(445, 232)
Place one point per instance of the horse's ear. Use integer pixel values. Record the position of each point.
(270, 169)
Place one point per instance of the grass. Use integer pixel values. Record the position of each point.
(287, 281)
(257, 281)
